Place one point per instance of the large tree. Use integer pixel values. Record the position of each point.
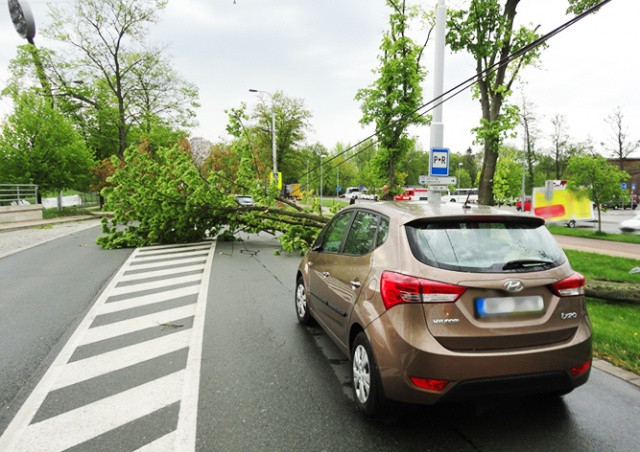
(393, 99)
(39, 146)
(487, 30)
(108, 70)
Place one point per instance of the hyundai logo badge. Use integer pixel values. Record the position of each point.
(513, 286)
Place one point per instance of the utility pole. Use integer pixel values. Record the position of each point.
(437, 127)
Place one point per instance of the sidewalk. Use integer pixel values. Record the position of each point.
(620, 249)
(20, 236)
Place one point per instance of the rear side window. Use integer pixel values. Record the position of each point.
(484, 246)
(335, 232)
(362, 234)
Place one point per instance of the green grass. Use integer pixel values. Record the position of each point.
(616, 326)
(332, 202)
(600, 266)
(573, 232)
(616, 333)
(64, 212)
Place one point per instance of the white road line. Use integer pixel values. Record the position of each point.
(92, 367)
(148, 249)
(172, 256)
(170, 251)
(144, 300)
(188, 417)
(155, 284)
(190, 260)
(158, 273)
(103, 332)
(92, 420)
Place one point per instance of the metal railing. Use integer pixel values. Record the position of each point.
(18, 194)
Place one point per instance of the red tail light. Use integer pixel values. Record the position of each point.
(429, 383)
(570, 287)
(396, 288)
(579, 370)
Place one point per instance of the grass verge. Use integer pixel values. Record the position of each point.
(616, 333)
(616, 326)
(595, 266)
(64, 212)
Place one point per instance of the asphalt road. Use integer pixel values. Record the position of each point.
(46, 291)
(265, 382)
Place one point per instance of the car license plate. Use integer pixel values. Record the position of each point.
(504, 306)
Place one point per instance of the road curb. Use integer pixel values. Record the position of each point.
(623, 374)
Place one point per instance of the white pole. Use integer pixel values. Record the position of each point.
(437, 127)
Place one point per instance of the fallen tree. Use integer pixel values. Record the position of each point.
(161, 196)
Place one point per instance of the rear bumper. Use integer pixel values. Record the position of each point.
(542, 369)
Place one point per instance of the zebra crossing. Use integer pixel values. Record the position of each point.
(128, 377)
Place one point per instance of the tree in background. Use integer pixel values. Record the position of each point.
(623, 146)
(110, 78)
(40, 146)
(391, 102)
(528, 121)
(486, 30)
(507, 184)
(560, 144)
(592, 176)
(292, 124)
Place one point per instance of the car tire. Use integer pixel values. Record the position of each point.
(301, 305)
(365, 377)
(572, 223)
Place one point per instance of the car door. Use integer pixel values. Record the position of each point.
(348, 272)
(323, 258)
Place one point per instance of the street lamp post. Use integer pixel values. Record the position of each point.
(273, 133)
(459, 169)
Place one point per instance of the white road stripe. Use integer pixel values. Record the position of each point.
(151, 248)
(188, 417)
(92, 367)
(158, 273)
(172, 256)
(141, 266)
(170, 251)
(155, 284)
(103, 332)
(82, 424)
(145, 300)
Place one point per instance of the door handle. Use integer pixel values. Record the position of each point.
(356, 284)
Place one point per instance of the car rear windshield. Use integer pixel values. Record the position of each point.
(485, 246)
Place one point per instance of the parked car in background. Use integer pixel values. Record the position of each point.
(631, 203)
(631, 225)
(436, 303)
(527, 204)
(245, 200)
(462, 195)
(357, 193)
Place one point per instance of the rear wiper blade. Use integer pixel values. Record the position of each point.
(526, 263)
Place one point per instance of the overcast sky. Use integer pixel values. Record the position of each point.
(324, 51)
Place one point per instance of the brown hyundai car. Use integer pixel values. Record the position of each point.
(442, 302)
